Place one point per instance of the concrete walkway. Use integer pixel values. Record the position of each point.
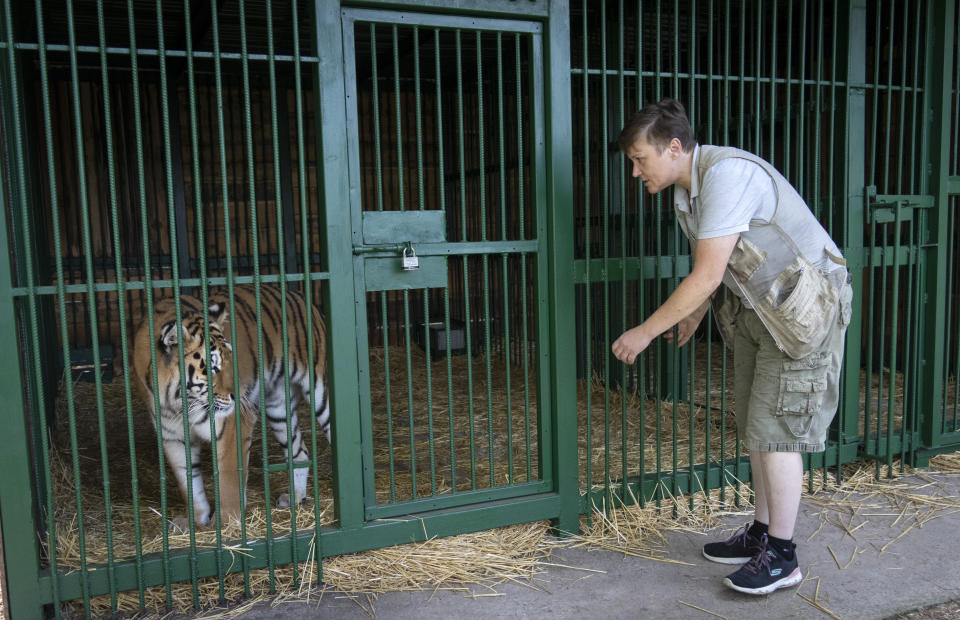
(873, 572)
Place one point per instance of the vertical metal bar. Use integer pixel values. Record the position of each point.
(552, 186)
(401, 196)
(441, 197)
(902, 94)
(279, 190)
(658, 272)
(814, 199)
(307, 287)
(641, 282)
(54, 201)
(674, 282)
(850, 44)
(20, 527)
(773, 84)
(410, 407)
(938, 98)
(111, 182)
(727, 107)
(255, 248)
(481, 146)
(691, 349)
(624, 251)
(523, 264)
(503, 257)
(889, 95)
(91, 299)
(228, 248)
(175, 225)
(329, 41)
(894, 312)
(788, 87)
(588, 255)
(384, 315)
(426, 293)
(468, 327)
(916, 84)
(909, 338)
(23, 594)
(710, 138)
(757, 140)
(605, 205)
(198, 209)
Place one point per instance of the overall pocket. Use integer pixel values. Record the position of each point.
(800, 307)
(726, 316)
(746, 259)
(803, 384)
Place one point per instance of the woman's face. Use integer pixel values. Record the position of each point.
(657, 170)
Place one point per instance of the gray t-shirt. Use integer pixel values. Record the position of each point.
(734, 193)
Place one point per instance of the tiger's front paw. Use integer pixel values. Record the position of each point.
(283, 501)
(181, 524)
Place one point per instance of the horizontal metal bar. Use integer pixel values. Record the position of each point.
(913, 201)
(705, 76)
(125, 51)
(650, 267)
(453, 500)
(888, 444)
(441, 21)
(463, 248)
(282, 467)
(335, 542)
(953, 185)
(527, 8)
(887, 256)
(749, 79)
(111, 287)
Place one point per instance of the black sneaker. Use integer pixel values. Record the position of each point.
(737, 549)
(765, 572)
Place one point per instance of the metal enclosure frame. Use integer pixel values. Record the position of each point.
(903, 225)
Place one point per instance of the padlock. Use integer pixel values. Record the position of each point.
(410, 263)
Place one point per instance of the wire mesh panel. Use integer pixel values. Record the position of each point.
(446, 134)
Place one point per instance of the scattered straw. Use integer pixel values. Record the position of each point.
(642, 431)
(706, 611)
(814, 602)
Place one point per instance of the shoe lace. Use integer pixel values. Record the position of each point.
(760, 560)
(740, 537)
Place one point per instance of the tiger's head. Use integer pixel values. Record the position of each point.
(201, 378)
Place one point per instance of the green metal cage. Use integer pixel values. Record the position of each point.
(443, 183)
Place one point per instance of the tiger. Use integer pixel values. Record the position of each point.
(223, 355)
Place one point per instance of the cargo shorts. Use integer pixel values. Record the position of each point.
(785, 404)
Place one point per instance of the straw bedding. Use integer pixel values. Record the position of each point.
(474, 563)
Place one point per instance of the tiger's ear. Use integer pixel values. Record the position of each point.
(169, 335)
(218, 314)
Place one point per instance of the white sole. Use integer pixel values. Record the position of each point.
(725, 560)
(790, 580)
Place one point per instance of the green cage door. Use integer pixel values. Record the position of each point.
(445, 125)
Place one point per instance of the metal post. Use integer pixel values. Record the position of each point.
(559, 194)
(851, 198)
(339, 309)
(937, 102)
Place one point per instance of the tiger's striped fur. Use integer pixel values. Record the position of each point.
(223, 356)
